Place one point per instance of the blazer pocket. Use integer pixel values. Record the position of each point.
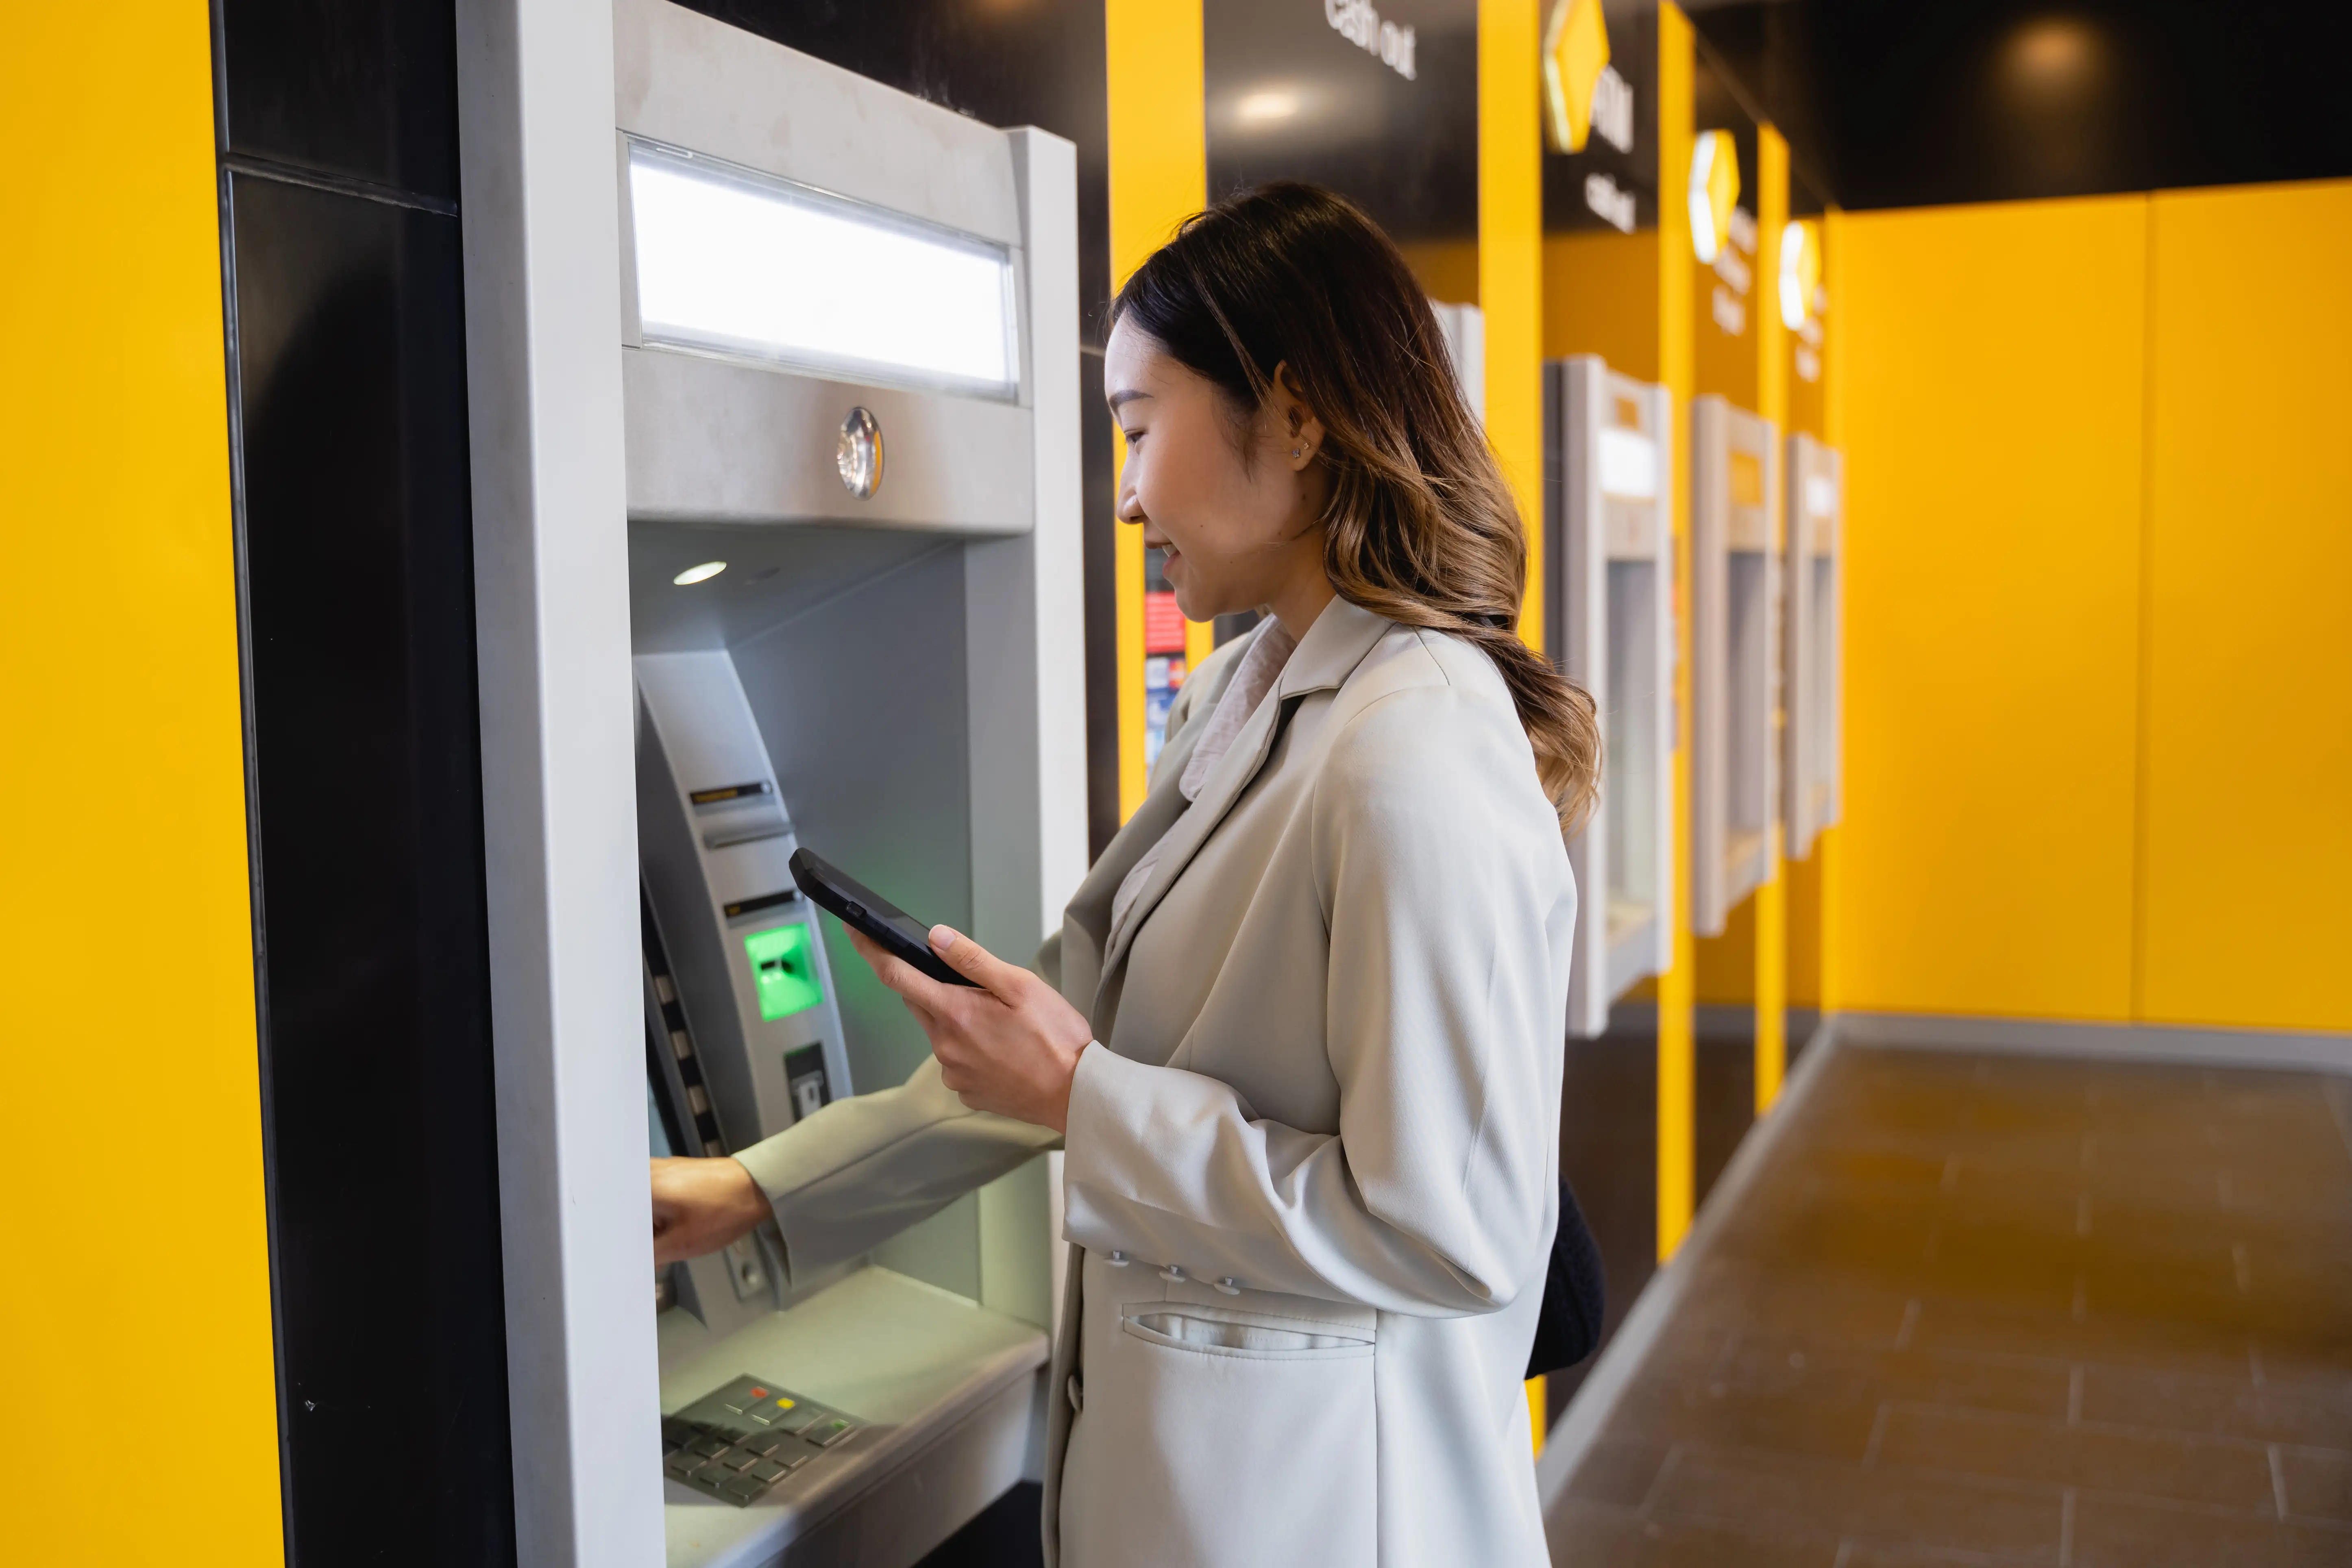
(1256, 1336)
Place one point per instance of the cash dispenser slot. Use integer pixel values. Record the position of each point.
(1608, 451)
(853, 546)
(1736, 648)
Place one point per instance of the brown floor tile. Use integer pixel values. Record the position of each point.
(2123, 1532)
(1618, 1473)
(2084, 1309)
(2221, 1407)
(1716, 1415)
(2317, 1483)
(1794, 1497)
(1588, 1535)
(2213, 1470)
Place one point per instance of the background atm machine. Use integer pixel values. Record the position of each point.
(1607, 440)
(1812, 745)
(1735, 650)
(848, 624)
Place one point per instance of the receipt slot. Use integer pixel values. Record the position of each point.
(1736, 654)
(849, 367)
(1813, 743)
(1608, 447)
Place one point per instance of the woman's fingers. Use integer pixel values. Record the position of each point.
(920, 991)
(968, 958)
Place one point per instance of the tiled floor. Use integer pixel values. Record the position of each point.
(1995, 1309)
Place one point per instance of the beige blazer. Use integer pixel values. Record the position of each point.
(1312, 1162)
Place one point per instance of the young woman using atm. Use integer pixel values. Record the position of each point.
(1301, 1032)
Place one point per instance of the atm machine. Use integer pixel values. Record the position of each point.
(1608, 443)
(1813, 744)
(1735, 656)
(849, 373)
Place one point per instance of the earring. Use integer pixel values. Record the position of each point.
(1298, 451)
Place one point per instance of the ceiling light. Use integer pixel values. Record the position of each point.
(702, 573)
(1265, 107)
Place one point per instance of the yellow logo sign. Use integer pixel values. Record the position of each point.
(1714, 191)
(1800, 271)
(1575, 53)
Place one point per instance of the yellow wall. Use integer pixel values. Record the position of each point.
(2099, 668)
(1159, 177)
(1601, 297)
(1990, 378)
(2247, 881)
(133, 1160)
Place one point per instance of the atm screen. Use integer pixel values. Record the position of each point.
(783, 969)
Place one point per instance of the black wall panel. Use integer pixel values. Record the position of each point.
(365, 89)
(1905, 105)
(337, 146)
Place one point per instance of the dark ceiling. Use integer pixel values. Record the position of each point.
(1915, 102)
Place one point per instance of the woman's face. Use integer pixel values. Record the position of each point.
(1238, 510)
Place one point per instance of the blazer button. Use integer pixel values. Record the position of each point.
(1173, 1274)
(1077, 1393)
(1230, 1286)
(1118, 1259)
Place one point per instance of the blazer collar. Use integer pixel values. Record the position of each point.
(1333, 647)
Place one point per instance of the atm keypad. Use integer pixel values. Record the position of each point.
(741, 1440)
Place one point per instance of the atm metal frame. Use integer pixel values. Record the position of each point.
(579, 438)
(1735, 656)
(1610, 538)
(1813, 763)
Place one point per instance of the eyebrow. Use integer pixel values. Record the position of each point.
(1125, 396)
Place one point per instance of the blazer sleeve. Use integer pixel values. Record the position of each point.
(862, 1169)
(1445, 892)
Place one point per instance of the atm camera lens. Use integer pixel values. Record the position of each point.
(859, 454)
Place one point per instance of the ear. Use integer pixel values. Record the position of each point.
(1301, 432)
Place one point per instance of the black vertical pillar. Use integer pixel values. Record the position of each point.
(338, 155)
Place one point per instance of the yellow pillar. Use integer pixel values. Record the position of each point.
(1677, 1106)
(1159, 176)
(119, 635)
(1773, 403)
(1510, 297)
(1510, 266)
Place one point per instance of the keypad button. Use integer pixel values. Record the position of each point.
(762, 1442)
(681, 1464)
(800, 1418)
(767, 1470)
(743, 1488)
(825, 1433)
(709, 1447)
(736, 1458)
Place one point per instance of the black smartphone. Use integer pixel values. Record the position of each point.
(861, 908)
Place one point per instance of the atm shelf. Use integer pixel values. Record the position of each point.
(943, 1386)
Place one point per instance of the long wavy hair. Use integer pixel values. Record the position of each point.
(1421, 528)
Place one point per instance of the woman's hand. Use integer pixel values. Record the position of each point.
(1011, 1048)
(701, 1206)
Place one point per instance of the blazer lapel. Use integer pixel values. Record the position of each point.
(1330, 651)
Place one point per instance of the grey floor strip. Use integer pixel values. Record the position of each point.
(2294, 1049)
(1581, 1424)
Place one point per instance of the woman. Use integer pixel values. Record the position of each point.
(1301, 1032)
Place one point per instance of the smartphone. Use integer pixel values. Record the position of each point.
(862, 908)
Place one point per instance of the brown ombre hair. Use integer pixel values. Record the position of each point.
(1421, 528)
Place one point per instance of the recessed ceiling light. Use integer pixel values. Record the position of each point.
(1265, 107)
(702, 573)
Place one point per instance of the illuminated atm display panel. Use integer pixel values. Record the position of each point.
(1736, 656)
(1814, 740)
(1609, 451)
